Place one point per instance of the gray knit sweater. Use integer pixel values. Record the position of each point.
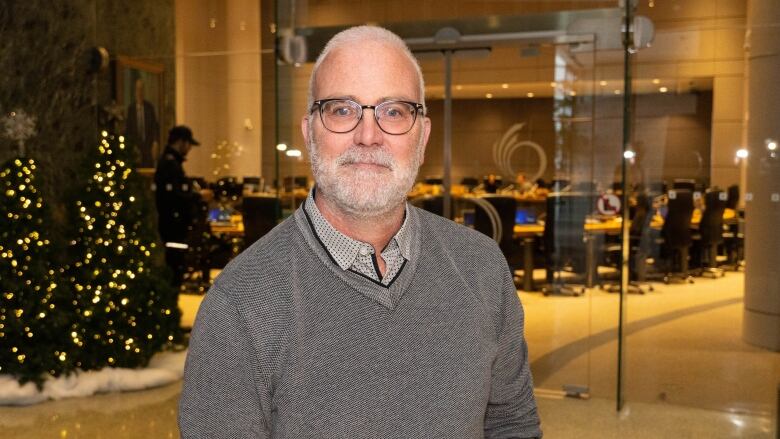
(288, 345)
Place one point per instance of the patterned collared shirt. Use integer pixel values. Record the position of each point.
(357, 256)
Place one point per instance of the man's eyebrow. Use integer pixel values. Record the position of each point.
(350, 97)
(398, 98)
(382, 99)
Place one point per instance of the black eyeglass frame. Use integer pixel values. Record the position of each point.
(418, 108)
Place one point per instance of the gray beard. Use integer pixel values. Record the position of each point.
(364, 193)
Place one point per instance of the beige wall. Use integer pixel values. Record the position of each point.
(218, 84)
(704, 39)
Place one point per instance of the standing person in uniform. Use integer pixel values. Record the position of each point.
(361, 316)
(176, 199)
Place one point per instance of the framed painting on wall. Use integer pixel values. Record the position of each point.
(139, 92)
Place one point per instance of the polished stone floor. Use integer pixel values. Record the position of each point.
(152, 414)
(687, 373)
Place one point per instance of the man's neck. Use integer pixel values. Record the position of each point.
(377, 231)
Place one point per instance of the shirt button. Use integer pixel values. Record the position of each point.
(364, 251)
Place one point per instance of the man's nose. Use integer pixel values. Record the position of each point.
(367, 131)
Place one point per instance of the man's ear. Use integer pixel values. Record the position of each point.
(305, 129)
(426, 135)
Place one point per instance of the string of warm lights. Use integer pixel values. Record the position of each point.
(121, 313)
(106, 304)
(29, 341)
(223, 155)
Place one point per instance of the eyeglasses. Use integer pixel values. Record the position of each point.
(343, 115)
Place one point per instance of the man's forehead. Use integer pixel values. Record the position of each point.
(349, 69)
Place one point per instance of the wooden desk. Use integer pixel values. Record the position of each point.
(529, 232)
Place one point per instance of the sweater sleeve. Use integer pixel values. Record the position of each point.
(511, 410)
(222, 394)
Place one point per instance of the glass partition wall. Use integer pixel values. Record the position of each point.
(522, 138)
(537, 95)
(706, 336)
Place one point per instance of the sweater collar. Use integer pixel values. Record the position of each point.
(341, 247)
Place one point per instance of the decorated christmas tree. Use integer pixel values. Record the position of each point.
(31, 322)
(125, 311)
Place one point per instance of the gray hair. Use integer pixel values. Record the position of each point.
(365, 33)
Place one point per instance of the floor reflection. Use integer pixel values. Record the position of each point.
(148, 413)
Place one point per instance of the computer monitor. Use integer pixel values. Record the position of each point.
(525, 215)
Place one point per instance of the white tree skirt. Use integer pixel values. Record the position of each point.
(164, 368)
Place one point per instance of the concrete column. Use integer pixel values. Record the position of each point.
(761, 323)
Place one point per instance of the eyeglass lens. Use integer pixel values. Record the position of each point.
(393, 117)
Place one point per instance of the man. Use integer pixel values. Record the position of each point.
(361, 316)
(142, 129)
(176, 200)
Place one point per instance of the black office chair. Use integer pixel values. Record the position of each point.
(710, 234)
(565, 247)
(676, 235)
(228, 189)
(470, 182)
(204, 251)
(734, 234)
(641, 242)
(506, 208)
(732, 197)
(684, 183)
(260, 215)
(492, 187)
(431, 203)
(253, 184)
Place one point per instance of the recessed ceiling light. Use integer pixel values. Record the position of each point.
(602, 83)
(553, 84)
(572, 93)
(504, 85)
(530, 94)
(617, 92)
(656, 81)
(489, 95)
(458, 87)
(663, 89)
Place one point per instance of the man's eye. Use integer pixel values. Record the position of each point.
(340, 110)
(396, 111)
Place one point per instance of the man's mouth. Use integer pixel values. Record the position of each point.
(369, 165)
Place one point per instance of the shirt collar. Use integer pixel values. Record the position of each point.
(349, 248)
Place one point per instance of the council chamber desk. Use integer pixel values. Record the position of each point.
(529, 233)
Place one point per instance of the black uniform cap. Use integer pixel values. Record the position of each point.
(181, 132)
